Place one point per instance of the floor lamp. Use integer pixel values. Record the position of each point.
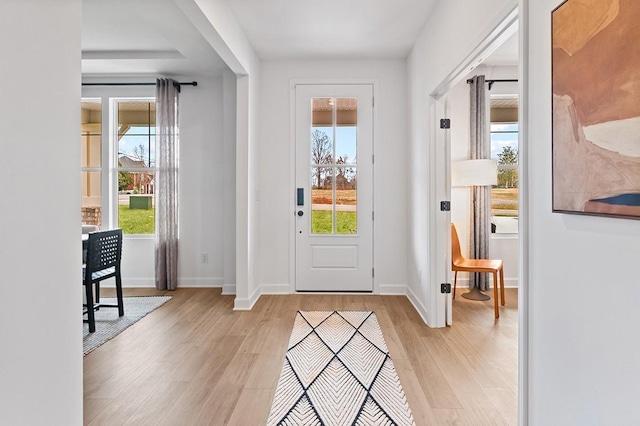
(480, 172)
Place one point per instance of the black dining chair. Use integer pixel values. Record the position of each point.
(104, 252)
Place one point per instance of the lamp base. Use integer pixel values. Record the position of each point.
(475, 294)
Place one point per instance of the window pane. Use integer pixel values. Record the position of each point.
(346, 140)
(136, 134)
(136, 213)
(322, 205)
(504, 202)
(91, 134)
(91, 157)
(346, 200)
(322, 124)
(136, 152)
(90, 182)
(504, 143)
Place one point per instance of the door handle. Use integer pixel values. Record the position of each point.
(300, 213)
(300, 198)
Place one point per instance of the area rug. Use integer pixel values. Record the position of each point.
(337, 371)
(109, 324)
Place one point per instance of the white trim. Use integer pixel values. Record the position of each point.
(133, 282)
(201, 282)
(374, 82)
(229, 289)
(275, 289)
(523, 216)
(392, 289)
(210, 282)
(418, 306)
(242, 304)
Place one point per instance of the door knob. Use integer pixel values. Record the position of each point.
(300, 213)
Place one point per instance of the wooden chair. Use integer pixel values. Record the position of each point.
(104, 252)
(459, 263)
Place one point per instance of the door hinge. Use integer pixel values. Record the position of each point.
(372, 216)
(373, 102)
(445, 206)
(445, 123)
(445, 288)
(373, 272)
(373, 159)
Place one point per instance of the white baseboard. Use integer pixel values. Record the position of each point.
(275, 289)
(182, 282)
(131, 282)
(419, 307)
(242, 304)
(228, 289)
(392, 289)
(201, 282)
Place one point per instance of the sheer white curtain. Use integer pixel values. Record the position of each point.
(167, 91)
(480, 147)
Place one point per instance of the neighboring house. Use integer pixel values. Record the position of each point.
(141, 182)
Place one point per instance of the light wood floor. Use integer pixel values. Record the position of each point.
(196, 361)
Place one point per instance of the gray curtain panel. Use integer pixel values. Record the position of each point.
(167, 184)
(480, 147)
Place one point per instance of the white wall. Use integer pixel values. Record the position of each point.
(502, 246)
(229, 166)
(451, 34)
(276, 184)
(218, 25)
(584, 349)
(40, 324)
(202, 205)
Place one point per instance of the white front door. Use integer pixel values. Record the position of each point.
(334, 187)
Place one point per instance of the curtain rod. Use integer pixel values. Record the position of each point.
(176, 84)
(494, 81)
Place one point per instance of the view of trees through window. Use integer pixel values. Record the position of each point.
(334, 178)
(136, 165)
(504, 196)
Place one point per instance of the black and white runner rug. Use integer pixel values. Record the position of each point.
(337, 371)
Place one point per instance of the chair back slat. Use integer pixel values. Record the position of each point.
(104, 250)
(456, 252)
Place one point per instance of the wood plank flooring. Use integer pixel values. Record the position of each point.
(195, 361)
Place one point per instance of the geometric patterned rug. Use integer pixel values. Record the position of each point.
(337, 371)
(109, 324)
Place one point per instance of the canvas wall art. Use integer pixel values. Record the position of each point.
(596, 107)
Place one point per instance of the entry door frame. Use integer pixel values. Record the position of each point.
(292, 168)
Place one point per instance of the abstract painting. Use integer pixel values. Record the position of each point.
(596, 107)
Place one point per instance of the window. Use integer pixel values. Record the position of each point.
(504, 149)
(91, 161)
(136, 148)
(130, 158)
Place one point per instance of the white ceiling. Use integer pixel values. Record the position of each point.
(154, 37)
(133, 37)
(358, 29)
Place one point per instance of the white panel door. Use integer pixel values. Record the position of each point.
(334, 187)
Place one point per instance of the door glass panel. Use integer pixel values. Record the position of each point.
(322, 131)
(346, 118)
(346, 200)
(322, 206)
(333, 166)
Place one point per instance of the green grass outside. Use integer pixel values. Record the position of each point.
(346, 222)
(136, 221)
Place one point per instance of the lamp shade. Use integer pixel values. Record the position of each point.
(474, 172)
